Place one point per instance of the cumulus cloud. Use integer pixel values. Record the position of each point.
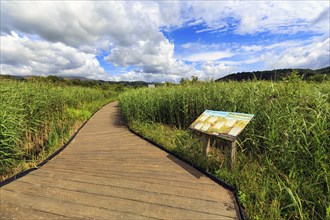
(129, 32)
(314, 55)
(24, 56)
(73, 24)
(214, 71)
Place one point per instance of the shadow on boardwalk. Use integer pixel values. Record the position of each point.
(120, 122)
(107, 172)
(118, 117)
(185, 166)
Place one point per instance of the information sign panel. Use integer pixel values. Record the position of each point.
(227, 125)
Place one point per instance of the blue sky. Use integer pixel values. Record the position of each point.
(161, 41)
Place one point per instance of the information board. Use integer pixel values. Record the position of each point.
(227, 125)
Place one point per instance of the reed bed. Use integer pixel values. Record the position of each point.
(38, 117)
(282, 170)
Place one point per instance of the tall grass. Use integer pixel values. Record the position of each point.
(37, 117)
(283, 158)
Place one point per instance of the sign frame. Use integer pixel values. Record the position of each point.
(226, 125)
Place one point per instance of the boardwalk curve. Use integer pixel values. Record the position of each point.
(107, 172)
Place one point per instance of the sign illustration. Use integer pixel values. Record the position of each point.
(227, 125)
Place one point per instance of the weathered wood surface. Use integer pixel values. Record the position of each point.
(107, 172)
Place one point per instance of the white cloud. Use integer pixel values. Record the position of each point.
(147, 77)
(250, 17)
(298, 53)
(128, 31)
(246, 60)
(156, 58)
(252, 48)
(122, 23)
(314, 55)
(142, 53)
(203, 47)
(216, 71)
(207, 56)
(23, 56)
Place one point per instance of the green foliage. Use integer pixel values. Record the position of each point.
(54, 79)
(283, 157)
(279, 74)
(37, 116)
(293, 77)
(319, 78)
(194, 79)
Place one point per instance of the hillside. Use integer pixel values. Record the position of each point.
(81, 81)
(279, 74)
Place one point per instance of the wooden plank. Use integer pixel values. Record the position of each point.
(153, 180)
(84, 193)
(117, 181)
(60, 205)
(12, 211)
(205, 139)
(144, 174)
(230, 154)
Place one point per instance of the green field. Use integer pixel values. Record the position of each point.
(38, 115)
(282, 169)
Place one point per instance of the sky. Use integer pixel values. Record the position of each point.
(161, 41)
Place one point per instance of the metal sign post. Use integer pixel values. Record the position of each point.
(226, 125)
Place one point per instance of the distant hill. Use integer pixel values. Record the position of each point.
(73, 80)
(279, 74)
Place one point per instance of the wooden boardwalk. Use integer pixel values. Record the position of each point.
(107, 172)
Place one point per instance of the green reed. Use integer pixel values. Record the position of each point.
(283, 158)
